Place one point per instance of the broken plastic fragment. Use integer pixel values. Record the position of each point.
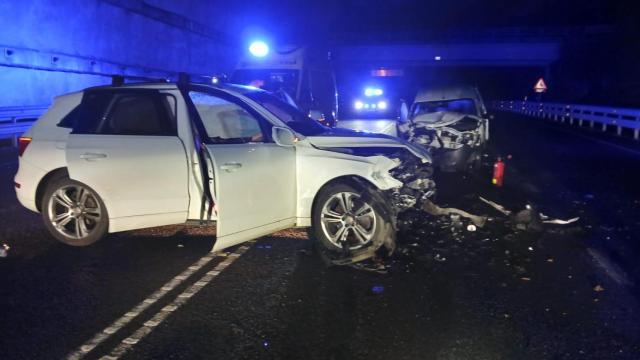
(598, 288)
(496, 206)
(560, 221)
(4, 250)
(435, 210)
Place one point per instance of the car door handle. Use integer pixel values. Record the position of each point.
(229, 167)
(92, 156)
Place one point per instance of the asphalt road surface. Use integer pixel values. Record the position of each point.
(564, 292)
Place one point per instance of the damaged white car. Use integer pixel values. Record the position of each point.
(117, 158)
(452, 121)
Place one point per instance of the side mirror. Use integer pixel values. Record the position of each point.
(283, 136)
(316, 115)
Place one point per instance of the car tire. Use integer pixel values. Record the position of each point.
(73, 212)
(367, 221)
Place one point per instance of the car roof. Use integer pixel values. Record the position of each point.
(447, 93)
(138, 85)
(227, 87)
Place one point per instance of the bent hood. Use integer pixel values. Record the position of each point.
(348, 138)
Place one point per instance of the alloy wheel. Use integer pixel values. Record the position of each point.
(74, 211)
(348, 221)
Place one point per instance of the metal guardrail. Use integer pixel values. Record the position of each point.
(16, 120)
(603, 116)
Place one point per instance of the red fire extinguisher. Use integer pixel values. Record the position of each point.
(498, 172)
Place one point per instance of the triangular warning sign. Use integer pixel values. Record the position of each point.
(540, 86)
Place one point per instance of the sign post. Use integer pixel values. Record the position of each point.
(540, 87)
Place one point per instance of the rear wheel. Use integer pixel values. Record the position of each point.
(350, 219)
(74, 213)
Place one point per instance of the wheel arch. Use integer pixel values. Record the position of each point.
(42, 185)
(353, 180)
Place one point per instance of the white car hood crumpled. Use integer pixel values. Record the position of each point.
(368, 140)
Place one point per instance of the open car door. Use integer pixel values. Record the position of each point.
(254, 179)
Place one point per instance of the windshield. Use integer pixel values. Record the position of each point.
(268, 79)
(463, 106)
(293, 117)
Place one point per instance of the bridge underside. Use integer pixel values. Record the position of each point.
(510, 54)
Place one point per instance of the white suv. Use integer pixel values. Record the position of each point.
(118, 158)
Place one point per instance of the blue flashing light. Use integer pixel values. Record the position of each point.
(370, 91)
(259, 49)
(358, 105)
(382, 105)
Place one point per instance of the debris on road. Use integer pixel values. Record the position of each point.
(560, 221)
(598, 288)
(439, 258)
(471, 228)
(529, 218)
(4, 250)
(435, 210)
(496, 206)
(370, 266)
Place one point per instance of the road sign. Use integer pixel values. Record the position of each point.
(540, 86)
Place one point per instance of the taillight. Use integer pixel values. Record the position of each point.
(23, 142)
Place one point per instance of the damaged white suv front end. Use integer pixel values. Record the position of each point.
(384, 174)
(124, 157)
(392, 173)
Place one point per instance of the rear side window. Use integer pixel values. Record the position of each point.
(137, 115)
(85, 117)
(124, 113)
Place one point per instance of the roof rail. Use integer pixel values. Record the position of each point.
(119, 80)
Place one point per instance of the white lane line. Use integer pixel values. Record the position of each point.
(180, 300)
(610, 268)
(103, 335)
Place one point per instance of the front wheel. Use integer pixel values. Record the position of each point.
(350, 220)
(74, 213)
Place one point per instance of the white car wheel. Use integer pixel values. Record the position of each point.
(73, 213)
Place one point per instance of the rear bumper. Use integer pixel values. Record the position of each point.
(28, 176)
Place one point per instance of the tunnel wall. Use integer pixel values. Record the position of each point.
(54, 47)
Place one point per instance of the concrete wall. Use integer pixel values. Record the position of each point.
(53, 47)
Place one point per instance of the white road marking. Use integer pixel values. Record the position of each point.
(610, 268)
(180, 300)
(105, 334)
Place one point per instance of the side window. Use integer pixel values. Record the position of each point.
(226, 122)
(139, 114)
(86, 118)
